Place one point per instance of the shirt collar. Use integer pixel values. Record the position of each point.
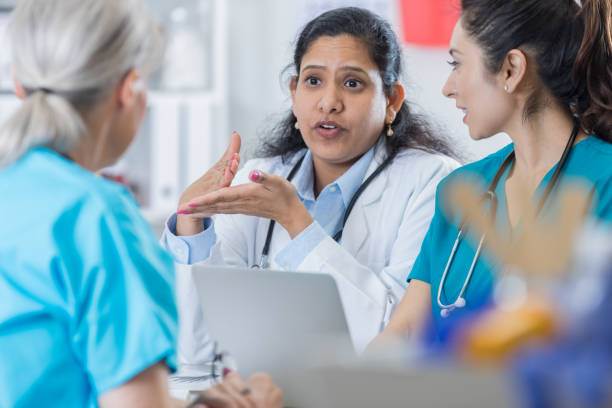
(348, 183)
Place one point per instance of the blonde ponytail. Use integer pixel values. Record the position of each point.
(43, 119)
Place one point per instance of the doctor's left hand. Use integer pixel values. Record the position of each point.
(268, 196)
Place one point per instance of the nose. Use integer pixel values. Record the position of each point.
(449, 89)
(331, 100)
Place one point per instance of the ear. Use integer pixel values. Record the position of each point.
(394, 102)
(513, 70)
(129, 88)
(293, 87)
(292, 90)
(17, 87)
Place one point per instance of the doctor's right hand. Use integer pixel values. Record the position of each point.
(218, 176)
(259, 391)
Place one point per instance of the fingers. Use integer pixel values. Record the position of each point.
(229, 393)
(243, 199)
(231, 160)
(270, 181)
(218, 176)
(234, 382)
(233, 147)
(264, 392)
(242, 192)
(229, 171)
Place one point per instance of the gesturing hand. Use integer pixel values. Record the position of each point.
(269, 196)
(259, 391)
(218, 176)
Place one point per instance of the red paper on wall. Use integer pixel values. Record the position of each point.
(429, 22)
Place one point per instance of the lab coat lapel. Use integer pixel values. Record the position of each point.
(358, 225)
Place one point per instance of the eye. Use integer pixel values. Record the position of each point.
(312, 80)
(352, 83)
(454, 64)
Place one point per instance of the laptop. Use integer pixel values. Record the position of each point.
(277, 322)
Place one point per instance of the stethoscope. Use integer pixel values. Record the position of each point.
(492, 197)
(266, 248)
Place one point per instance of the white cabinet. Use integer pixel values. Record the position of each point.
(185, 129)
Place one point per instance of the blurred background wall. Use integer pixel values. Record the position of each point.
(223, 72)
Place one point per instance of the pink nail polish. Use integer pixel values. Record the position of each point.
(255, 175)
(184, 212)
(226, 371)
(193, 205)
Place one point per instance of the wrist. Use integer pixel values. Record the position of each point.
(297, 221)
(187, 225)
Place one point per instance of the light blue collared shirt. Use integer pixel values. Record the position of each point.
(327, 210)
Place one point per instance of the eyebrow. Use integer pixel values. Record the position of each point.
(344, 68)
(453, 51)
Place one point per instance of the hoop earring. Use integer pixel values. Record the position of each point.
(297, 125)
(389, 130)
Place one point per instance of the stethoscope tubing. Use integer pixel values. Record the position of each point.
(338, 235)
(490, 194)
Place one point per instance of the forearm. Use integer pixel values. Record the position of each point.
(413, 311)
(186, 225)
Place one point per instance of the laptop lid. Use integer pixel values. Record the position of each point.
(274, 321)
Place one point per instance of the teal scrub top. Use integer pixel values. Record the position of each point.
(590, 161)
(87, 293)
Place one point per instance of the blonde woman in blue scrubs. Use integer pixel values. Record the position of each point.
(538, 70)
(88, 315)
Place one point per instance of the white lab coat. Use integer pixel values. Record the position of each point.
(380, 242)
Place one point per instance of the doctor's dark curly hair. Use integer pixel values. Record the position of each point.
(411, 130)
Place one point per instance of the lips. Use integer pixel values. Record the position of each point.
(328, 129)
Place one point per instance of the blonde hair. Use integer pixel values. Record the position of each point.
(68, 55)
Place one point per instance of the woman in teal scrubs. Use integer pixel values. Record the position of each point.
(88, 316)
(538, 70)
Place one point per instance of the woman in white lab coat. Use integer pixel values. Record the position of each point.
(349, 124)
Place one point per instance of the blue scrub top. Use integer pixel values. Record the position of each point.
(87, 293)
(590, 161)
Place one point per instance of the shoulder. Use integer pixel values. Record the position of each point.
(591, 160)
(416, 169)
(61, 184)
(68, 210)
(600, 145)
(593, 153)
(421, 161)
(487, 165)
(482, 170)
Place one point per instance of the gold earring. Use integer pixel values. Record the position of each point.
(297, 125)
(389, 130)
